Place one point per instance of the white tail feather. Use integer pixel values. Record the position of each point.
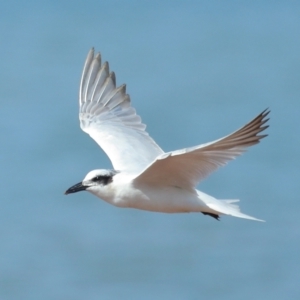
(224, 207)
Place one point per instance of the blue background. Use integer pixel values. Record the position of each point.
(195, 70)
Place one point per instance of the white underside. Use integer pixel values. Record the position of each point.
(166, 199)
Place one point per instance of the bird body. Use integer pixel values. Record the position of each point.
(144, 176)
(124, 191)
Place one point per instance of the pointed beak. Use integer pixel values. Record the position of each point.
(76, 188)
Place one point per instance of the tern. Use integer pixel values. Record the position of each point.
(143, 175)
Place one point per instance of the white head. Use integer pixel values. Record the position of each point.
(96, 182)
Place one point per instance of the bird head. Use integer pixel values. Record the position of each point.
(93, 182)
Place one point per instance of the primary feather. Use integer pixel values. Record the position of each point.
(187, 167)
(107, 116)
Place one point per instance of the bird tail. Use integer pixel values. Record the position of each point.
(227, 207)
(224, 207)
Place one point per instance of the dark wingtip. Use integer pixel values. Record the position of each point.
(266, 112)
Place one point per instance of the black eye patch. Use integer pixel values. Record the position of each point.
(102, 179)
(97, 178)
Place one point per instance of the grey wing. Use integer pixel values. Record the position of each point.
(187, 167)
(106, 115)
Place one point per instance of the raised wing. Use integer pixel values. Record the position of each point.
(187, 167)
(106, 115)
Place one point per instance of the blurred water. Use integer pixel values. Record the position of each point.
(195, 70)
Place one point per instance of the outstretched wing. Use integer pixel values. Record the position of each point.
(187, 167)
(106, 115)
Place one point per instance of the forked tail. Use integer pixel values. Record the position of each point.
(224, 207)
(227, 208)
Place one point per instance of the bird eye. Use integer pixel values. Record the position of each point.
(100, 179)
(97, 178)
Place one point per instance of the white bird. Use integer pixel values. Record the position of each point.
(144, 176)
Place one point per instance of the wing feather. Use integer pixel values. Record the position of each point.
(187, 167)
(106, 115)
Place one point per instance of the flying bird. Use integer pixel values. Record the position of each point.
(143, 175)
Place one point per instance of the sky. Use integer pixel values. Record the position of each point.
(195, 71)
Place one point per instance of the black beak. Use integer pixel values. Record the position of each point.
(76, 188)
